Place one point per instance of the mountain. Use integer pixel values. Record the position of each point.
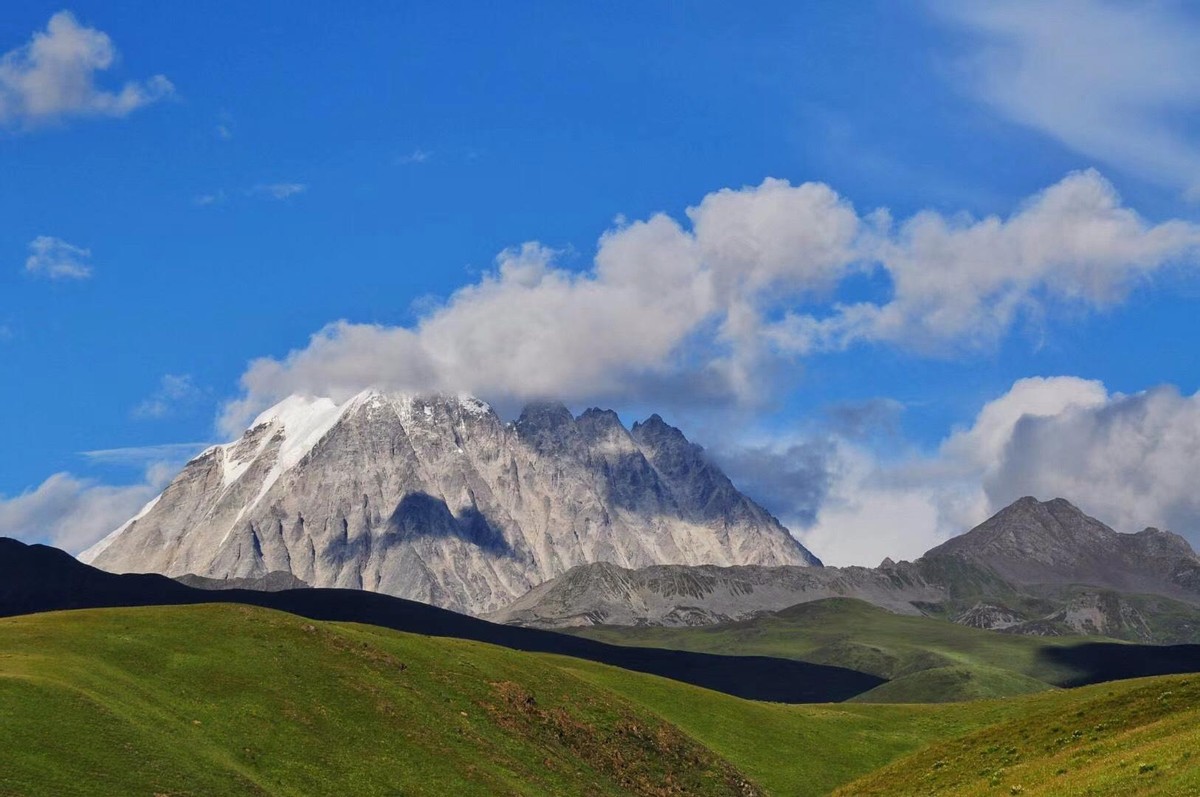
(437, 499)
(1038, 568)
(1050, 543)
(38, 578)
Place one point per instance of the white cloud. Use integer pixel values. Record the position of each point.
(960, 283)
(1119, 82)
(53, 77)
(173, 390)
(54, 258)
(146, 456)
(69, 512)
(416, 156)
(214, 198)
(277, 190)
(711, 309)
(1128, 460)
(73, 512)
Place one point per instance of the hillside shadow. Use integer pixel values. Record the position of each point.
(1097, 662)
(37, 578)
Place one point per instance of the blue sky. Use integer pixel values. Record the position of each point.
(236, 177)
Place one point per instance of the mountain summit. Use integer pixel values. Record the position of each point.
(1032, 542)
(437, 499)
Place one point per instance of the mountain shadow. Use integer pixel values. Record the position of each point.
(420, 514)
(1098, 662)
(38, 578)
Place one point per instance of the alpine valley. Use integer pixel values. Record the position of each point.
(556, 520)
(640, 626)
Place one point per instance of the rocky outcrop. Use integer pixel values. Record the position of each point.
(437, 499)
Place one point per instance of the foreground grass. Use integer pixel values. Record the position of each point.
(796, 750)
(854, 634)
(1129, 737)
(230, 700)
(223, 700)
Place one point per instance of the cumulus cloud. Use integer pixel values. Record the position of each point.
(1127, 460)
(790, 477)
(69, 512)
(55, 259)
(72, 512)
(960, 283)
(53, 76)
(718, 304)
(1114, 81)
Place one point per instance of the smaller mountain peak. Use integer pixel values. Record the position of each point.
(546, 425)
(597, 423)
(596, 414)
(655, 430)
(545, 414)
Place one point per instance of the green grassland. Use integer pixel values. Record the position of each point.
(231, 700)
(926, 659)
(224, 700)
(1128, 737)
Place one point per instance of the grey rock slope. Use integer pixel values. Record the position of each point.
(1035, 543)
(275, 581)
(1018, 571)
(438, 500)
(604, 594)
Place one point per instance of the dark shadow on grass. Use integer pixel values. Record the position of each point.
(37, 578)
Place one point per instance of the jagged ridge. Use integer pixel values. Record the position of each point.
(436, 499)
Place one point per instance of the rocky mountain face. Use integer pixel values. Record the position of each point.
(1044, 544)
(437, 499)
(1039, 568)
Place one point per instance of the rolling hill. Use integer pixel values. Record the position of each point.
(37, 578)
(924, 659)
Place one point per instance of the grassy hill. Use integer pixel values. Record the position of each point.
(229, 700)
(925, 658)
(1128, 737)
(226, 699)
(222, 700)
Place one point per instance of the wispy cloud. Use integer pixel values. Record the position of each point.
(143, 456)
(416, 156)
(55, 259)
(53, 76)
(1118, 82)
(277, 190)
(215, 198)
(173, 390)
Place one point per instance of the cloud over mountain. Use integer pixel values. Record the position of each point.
(749, 282)
(1128, 458)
